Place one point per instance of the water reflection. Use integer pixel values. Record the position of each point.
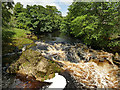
(57, 37)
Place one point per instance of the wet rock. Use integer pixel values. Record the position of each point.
(24, 81)
(92, 74)
(42, 66)
(117, 59)
(71, 82)
(43, 47)
(32, 63)
(77, 52)
(72, 52)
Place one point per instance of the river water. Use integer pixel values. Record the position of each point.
(73, 50)
(10, 81)
(57, 37)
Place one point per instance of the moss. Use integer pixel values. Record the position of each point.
(40, 74)
(46, 77)
(42, 79)
(20, 42)
(25, 64)
(31, 45)
(30, 62)
(34, 37)
(55, 67)
(19, 32)
(18, 39)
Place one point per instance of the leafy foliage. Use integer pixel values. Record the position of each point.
(37, 18)
(65, 26)
(6, 16)
(85, 26)
(95, 23)
(6, 13)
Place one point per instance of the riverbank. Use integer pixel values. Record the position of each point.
(85, 65)
(13, 40)
(55, 47)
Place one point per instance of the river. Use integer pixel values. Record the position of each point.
(10, 81)
(53, 46)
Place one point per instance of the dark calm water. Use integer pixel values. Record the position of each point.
(57, 37)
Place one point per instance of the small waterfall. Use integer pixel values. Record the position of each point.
(89, 67)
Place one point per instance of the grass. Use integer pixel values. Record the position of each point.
(19, 32)
(14, 37)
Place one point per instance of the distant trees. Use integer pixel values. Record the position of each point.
(37, 18)
(95, 23)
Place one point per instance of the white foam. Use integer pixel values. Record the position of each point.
(57, 82)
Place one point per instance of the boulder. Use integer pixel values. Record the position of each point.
(32, 63)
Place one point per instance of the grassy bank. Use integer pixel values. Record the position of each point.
(13, 38)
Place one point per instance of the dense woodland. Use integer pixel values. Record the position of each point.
(96, 24)
(37, 18)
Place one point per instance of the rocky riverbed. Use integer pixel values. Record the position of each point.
(70, 60)
(74, 52)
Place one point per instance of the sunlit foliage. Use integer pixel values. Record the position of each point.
(37, 18)
(95, 23)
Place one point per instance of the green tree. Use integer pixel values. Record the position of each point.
(38, 18)
(85, 26)
(7, 8)
(18, 9)
(95, 23)
(65, 26)
(6, 13)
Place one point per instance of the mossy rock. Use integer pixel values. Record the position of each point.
(32, 63)
(31, 45)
